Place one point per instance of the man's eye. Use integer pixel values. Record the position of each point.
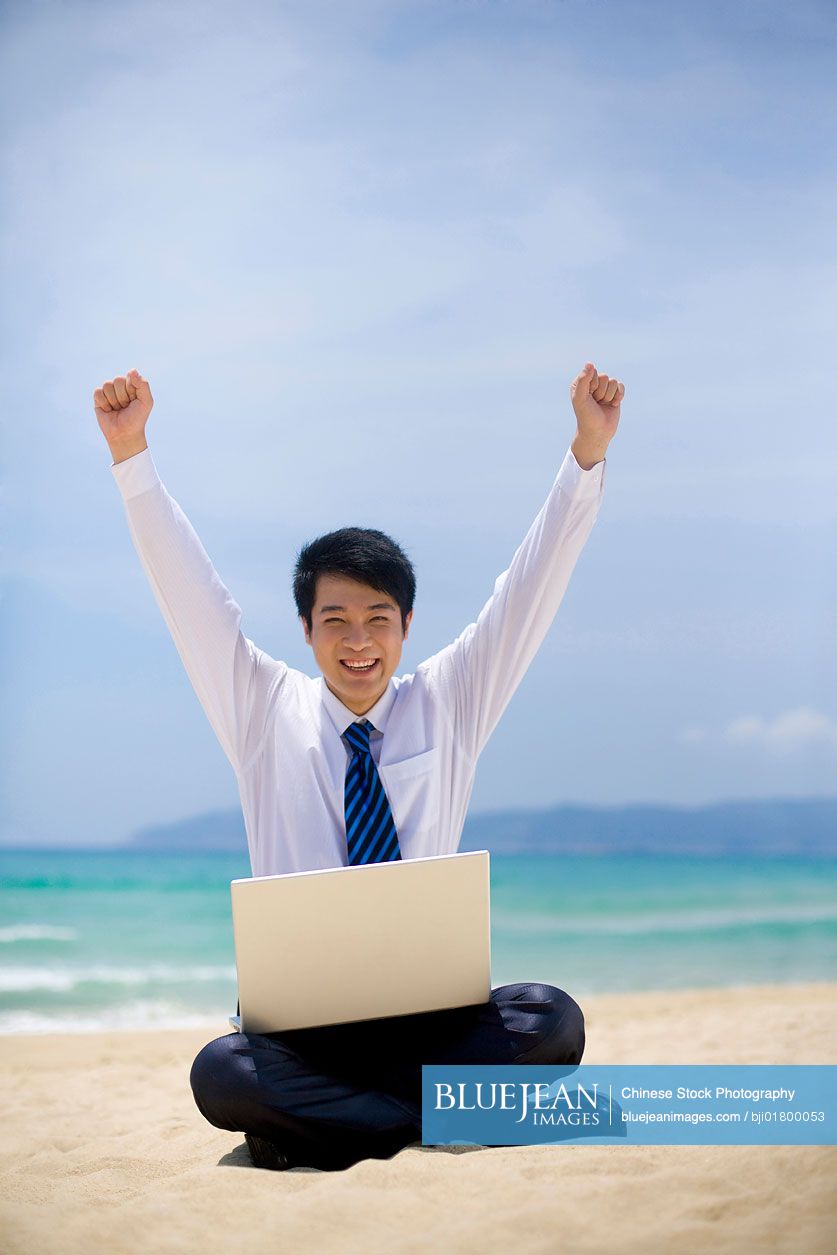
(378, 618)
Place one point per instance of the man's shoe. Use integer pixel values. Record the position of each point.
(264, 1154)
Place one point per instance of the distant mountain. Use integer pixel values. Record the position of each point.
(802, 826)
(805, 826)
(213, 830)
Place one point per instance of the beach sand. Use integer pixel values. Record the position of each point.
(103, 1150)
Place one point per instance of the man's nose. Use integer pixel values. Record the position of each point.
(356, 637)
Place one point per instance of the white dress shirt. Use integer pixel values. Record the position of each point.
(281, 729)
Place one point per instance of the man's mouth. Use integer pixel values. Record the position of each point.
(360, 666)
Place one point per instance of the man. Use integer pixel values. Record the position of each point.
(359, 766)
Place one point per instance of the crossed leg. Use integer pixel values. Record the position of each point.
(331, 1096)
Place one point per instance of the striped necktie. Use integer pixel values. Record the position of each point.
(370, 828)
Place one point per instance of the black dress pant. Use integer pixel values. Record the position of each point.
(331, 1096)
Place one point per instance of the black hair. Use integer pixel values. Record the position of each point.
(358, 553)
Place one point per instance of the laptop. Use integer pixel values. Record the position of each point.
(361, 942)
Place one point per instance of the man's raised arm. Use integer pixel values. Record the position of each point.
(234, 681)
(477, 674)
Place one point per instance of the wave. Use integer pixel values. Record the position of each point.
(681, 922)
(65, 979)
(37, 932)
(140, 1016)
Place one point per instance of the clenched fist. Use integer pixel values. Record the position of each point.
(122, 408)
(597, 402)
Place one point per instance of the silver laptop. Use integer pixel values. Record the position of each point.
(361, 942)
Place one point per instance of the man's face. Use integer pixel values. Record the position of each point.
(352, 623)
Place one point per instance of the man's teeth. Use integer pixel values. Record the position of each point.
(359, 666)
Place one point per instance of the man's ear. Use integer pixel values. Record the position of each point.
(305, 629)
(407, 622)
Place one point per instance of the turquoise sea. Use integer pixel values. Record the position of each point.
(117, 940)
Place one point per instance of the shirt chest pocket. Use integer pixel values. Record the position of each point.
(412, 787)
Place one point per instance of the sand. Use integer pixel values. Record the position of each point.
(103, 1150)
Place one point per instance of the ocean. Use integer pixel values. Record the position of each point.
(93, 940)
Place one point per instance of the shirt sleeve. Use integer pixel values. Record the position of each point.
(235, 682)
(477, 674)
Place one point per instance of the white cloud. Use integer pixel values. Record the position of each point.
(789, 732)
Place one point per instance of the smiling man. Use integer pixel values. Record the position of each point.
(357, 640)
(358, 765)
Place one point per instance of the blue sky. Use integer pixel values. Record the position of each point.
(360, 250)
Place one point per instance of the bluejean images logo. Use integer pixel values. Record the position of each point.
(557, 1106)
(642, 1104)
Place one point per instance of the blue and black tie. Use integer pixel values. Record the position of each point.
(370, 828)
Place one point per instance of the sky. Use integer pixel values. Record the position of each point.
(360, 250)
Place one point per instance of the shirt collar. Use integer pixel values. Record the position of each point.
(341, 716)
